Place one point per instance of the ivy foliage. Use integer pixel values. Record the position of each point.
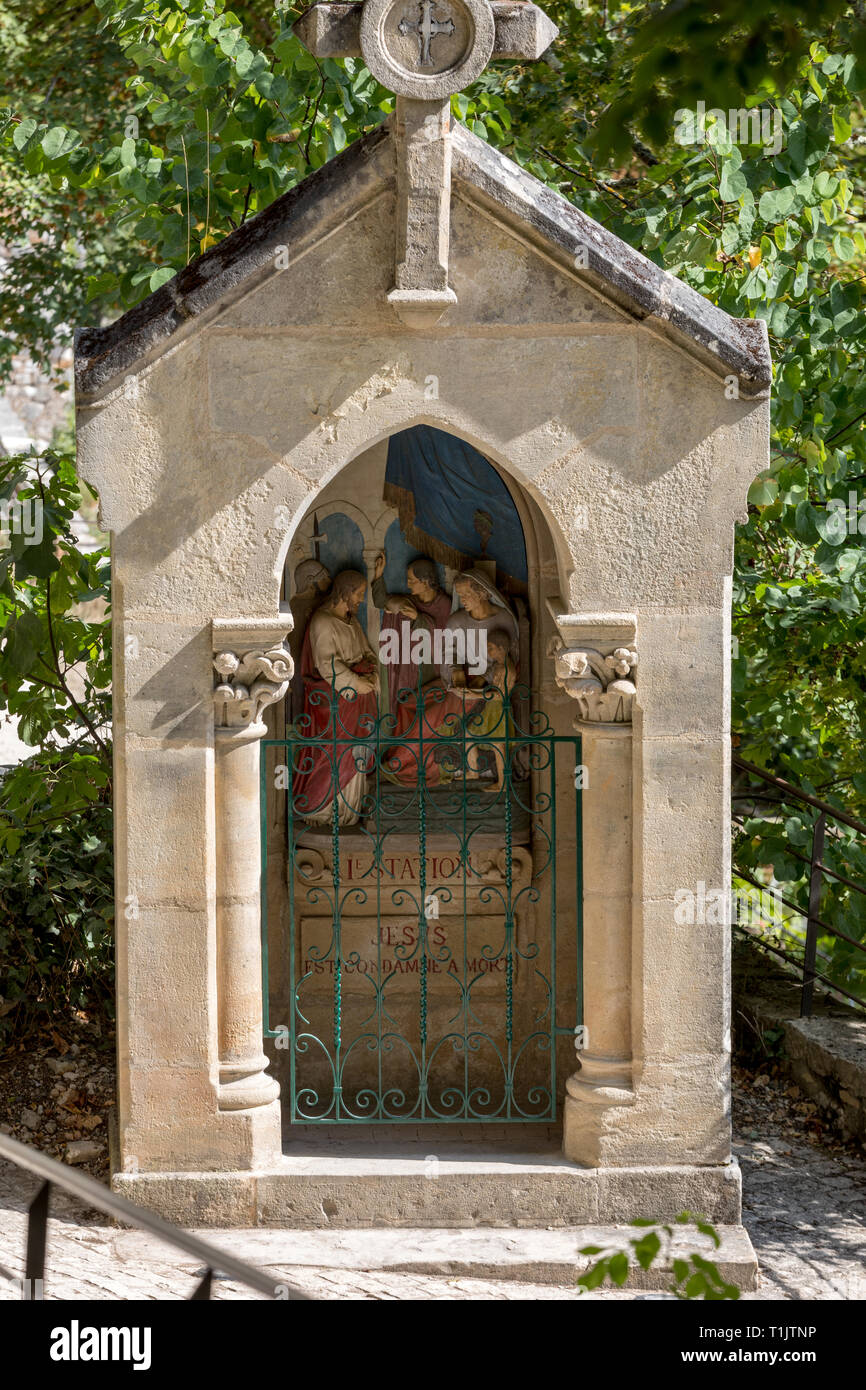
(56, 889)
(207, 130)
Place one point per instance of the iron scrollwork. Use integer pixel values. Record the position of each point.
(424, 926)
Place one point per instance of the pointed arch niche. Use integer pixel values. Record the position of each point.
(352, 519)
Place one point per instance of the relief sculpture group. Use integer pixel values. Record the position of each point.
(428, 703)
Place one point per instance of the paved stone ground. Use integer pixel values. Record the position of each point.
(804, 1191)
(805, 1209)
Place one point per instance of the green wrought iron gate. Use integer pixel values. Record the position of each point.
(433, 877)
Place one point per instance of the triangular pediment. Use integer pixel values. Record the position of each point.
(485, 184)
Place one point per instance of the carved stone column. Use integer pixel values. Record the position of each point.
(249, 678)
(597, 676)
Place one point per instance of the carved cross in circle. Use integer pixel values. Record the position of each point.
(426, 28)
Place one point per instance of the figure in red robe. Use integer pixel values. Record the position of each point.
(340, 674)
(425, 608)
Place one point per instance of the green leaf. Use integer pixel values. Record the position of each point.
(826, 184)
(696, 1286)
(338, 133)
(161, 277)
(730, 238)
(618, 1268)
(814, 83)
(58, 141)
(25, 639)
(732, 184)
(37, 560)
(763, 491)
(230, 41)
(595, 1276)
(244, 61)
(805, 522)
(841, 127)
(707, 1229)
(746, 220)
(647, 1249)
(24, 132)
(831, 523)
(848, 564)
(775, 204)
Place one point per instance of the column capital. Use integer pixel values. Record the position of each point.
(597, 672)
(253, 670)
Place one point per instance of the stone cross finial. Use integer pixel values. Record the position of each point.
(424, 51)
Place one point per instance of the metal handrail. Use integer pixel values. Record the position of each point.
(806, 859)
(795, 907)
(95, 1194)
(798, 794)
(817, 869)
(792, 960)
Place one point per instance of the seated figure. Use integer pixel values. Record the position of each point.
(492, 716)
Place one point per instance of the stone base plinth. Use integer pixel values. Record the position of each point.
(529, 1256)
(434, 1184)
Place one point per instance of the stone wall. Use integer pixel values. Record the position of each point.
(825, 1054)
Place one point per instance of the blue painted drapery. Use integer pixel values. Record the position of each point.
(438, 484)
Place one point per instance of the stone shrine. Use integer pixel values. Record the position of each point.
(368, 879)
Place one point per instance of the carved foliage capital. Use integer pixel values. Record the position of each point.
(246, 684)
(601, 683)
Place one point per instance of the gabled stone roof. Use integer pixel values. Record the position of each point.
(326, 198)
